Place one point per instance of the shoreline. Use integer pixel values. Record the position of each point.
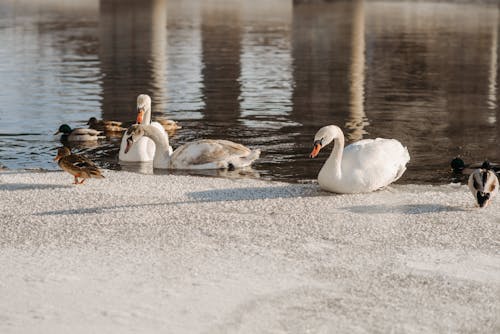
(147, 253)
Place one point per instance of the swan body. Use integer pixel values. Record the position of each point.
(144, 149)
(483, 184)
(200, 154)
(364, 166)
(77, 134)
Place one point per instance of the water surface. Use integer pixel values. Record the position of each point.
(267, 74)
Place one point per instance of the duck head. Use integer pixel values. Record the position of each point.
(65, 128)
(62, 152)
(133, 134)
(92, 121)
(457, 165)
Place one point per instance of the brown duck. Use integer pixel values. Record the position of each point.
(77, 165)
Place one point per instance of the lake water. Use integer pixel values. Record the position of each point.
(267, 74)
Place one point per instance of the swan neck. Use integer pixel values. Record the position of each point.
(147, 116)
(336, 156)
(162, 144)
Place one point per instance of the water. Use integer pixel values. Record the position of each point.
(267, 74)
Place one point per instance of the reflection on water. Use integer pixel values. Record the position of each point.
(267, 74)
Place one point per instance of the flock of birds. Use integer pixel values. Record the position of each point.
(364, 166)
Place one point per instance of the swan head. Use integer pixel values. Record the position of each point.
(143, 107)
(323, 137)
(65, 128)
(134, 133)
(483, 183)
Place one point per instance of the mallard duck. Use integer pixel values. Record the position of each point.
(169, 125)
(458, 166)
(483, 184)
(77, 134)
(106, 126)
(77, 165)
(144, 149)
(363, 166)
(200, 154)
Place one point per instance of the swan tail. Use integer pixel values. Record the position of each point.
(405, 157)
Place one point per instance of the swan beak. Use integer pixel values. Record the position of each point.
(140, 116)
(315, 151)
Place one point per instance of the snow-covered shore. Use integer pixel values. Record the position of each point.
(139, 253)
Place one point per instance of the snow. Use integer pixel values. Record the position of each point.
(136, 253)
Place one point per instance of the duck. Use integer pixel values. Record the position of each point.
(458, 166)
(483, 184)
(77, 134)
(199, 154)
(144, 149)
(106, 126)
(364, 166)
(169, 125)
(77, 165)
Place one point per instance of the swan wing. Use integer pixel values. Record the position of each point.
(374, 163)
(211, 154)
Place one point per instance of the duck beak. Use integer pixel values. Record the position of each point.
(57, 157)
(140, 115)
(129, 145)
(316, 149)
(58, 132)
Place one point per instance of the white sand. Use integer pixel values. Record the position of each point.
(176, 254)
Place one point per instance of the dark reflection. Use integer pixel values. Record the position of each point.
(428, 84)
(132, 54)
(322, 53)
(221, 33)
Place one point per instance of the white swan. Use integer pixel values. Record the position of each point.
(200, 154)
(483, 184)
(143, 150)
(363, 166)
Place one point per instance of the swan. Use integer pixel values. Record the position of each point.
(361, 167)
(483, 184)
(143, 150)
(200, 154)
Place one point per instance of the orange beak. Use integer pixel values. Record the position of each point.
(57, 157)
(140, 116)
(315, 150)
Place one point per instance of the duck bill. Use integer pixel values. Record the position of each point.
(315, 151)
(57, 157)
(57, 132)
(140, 116)
(129, 145)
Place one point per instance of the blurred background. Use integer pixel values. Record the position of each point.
(264, 73)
